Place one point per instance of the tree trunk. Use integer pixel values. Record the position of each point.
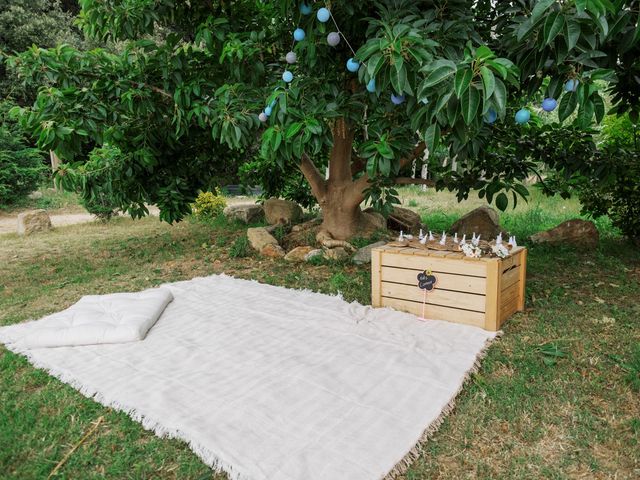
(339, 195)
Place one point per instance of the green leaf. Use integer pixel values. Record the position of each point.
(463, 79)
(470, 102)
(599, 107)
(488, 82)
(293, 130)
(502, 201)
(539, 9)
(442, 71)
(483, 52)
(552, 26)
(432, 137)
(568, 104)
(500, 97)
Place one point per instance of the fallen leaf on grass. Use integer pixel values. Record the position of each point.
(599, 300)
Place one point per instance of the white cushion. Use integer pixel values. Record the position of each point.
(98, 319)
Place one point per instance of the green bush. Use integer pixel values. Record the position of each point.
(615, 189)
(209, 205)
(22, 167)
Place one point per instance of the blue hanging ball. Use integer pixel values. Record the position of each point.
(267, 111)
(287, 76)
(571, 85)
(353, 65)
(263, 117)
(397, 99)
(305, 9)
(371, 86)
(323, 15)
(523, 116)
(549, 104)
(491, 116)
(299, 34)
(333, 39)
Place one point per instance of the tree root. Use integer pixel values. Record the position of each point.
(326, 240)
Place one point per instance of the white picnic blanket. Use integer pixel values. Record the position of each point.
(269, 383)
(98, 319)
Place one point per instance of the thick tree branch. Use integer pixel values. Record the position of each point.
(361, 184)
(314, 177)
(418, 150)
(414, 181)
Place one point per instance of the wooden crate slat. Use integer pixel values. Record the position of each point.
(445, 298)
(510, 277)
(510, 293)
(424, 262)
(508, 309)
(436, 312)
(446, 281)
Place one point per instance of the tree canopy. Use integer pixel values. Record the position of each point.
(180, 102)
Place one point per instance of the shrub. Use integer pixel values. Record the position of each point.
(240, 248)
(21, 166)
(209, 205)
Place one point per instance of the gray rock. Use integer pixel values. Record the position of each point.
(404, 219)
(313, 254)
(363, 255)
(282, 211)
(245, 212)
(33, 221)
(260, 238)
(298, 254)
(482, 221)
(572, 232)
(37, 195)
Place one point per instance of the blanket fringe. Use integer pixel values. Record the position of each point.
(403, 465)
(148, 423)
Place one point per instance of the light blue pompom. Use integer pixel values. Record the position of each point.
(397, 99)
(571, 85)
(523, 116)
(299, 34)
(323, 15)
(491, 116)
(549, 104)
(371, 86)
(353, 65)
(287, 76)
(305, 9)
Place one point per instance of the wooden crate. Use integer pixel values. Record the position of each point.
(483, 292)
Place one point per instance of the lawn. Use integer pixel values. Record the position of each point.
(556, 397)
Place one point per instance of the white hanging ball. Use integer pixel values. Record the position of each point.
(333, 39)
(263, 117)
(291, 57)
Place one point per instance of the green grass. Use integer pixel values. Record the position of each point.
(51, 200)
(556, 397)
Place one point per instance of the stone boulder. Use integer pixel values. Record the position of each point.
(363, 255)
(314, 254)
(273, 251)
(245, 212)
(282, 211)
(372, 222)
(33, 221)
(482, 221)
(572, 232)
(298, 254)
(404, 219)
(260, 238)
